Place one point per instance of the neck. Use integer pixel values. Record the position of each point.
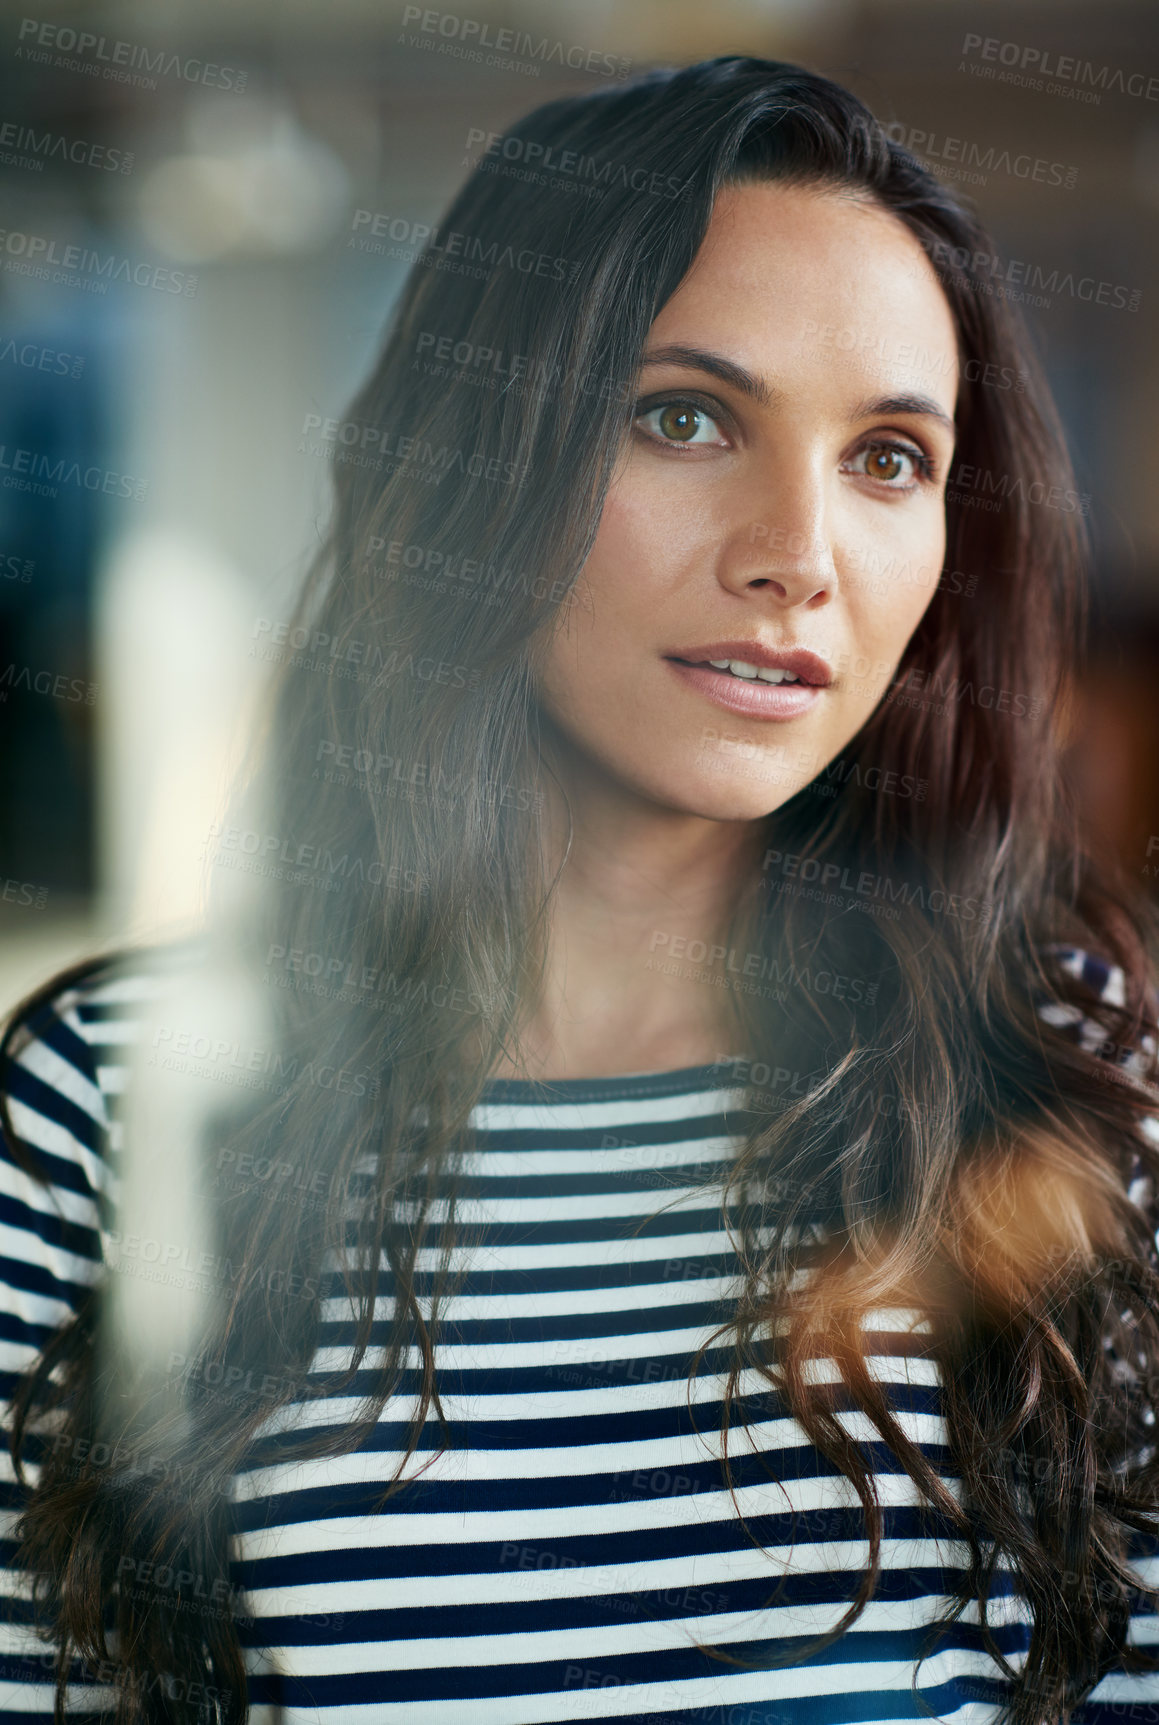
(635, 881)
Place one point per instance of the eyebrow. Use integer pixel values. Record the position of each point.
(747, 383)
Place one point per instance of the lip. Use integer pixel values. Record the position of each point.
(809, 668)
(755, 700)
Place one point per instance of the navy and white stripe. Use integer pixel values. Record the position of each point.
(565, 1556)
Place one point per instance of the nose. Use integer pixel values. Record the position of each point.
(781, 543)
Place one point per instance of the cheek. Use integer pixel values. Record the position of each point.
(623, 533)
(886, 607)
(584, 651)
(644, 553)
(908, 608)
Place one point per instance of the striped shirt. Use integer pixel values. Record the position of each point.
(573, 1554)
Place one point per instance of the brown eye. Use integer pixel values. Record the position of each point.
(883, 462)
(679, 422)
(894, 466)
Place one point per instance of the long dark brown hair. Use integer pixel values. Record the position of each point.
(962, 1154)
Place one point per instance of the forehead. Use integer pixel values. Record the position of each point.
(807, 280)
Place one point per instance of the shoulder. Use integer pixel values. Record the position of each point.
(1097, 994)
(1099, 983)
(63, 1059)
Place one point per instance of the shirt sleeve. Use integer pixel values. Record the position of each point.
(50, 1256)
(1120, 1696)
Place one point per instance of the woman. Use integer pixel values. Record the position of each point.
(689, 1251)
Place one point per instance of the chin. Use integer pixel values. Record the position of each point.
(725, 796)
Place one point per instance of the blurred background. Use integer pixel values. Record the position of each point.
(182, 287)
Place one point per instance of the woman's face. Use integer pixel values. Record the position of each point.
(778, 504)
